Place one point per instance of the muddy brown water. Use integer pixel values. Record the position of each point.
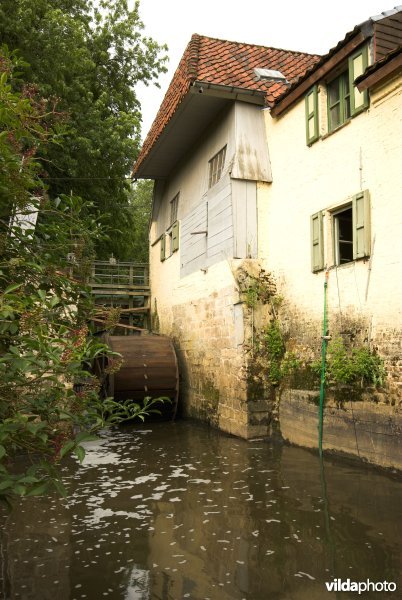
(178, 510)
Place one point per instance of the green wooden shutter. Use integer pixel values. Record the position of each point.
(357, 65)
(317, 242)
(163, 247)
(175, 236)
(361, 225)
(311, 105)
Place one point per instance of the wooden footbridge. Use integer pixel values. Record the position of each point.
(149, 364)
(123, 286)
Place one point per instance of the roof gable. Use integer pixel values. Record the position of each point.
(229, 65)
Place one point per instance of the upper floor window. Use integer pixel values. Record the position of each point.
(343, 235)
(174, 205)
(344, 101)
(348, 225)
(338, 93)
(216, 165)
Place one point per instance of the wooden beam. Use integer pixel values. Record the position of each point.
(123, 310)
(120, 325)
(118, 293)
(380, 73)
(117, 286)
(318, 74)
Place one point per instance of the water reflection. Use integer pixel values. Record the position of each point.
(176, 511)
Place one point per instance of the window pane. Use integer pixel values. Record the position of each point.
(344, 236)
(216, 165)
(333, 92)
(173, 209)
(345, 81)
(335, 116)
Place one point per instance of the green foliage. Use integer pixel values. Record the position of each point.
(271, 362)
(45, 343)
(135, 246)
(251, 297)
(275, 349)
(111, 412)
(353, 366)
(258, 292)
(88, 58)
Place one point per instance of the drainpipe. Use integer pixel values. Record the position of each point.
(325, 338)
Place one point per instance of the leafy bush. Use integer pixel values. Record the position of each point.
(354, 366)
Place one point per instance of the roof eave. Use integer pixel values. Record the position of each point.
(228, 92)
(167, 148)
(379, 73)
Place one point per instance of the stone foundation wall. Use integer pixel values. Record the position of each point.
(303, 331)
(208, 335)
(369, 431)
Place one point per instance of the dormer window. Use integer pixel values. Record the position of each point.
(344, 101)
(338, 91)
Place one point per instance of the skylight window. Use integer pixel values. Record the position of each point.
(270, 74)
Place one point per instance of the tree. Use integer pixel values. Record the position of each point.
(90, 57)
(45, 343)
(135, 247)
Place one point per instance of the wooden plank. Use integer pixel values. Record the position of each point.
(380, 73)
(220, 237)
(123, 383)
(117, 294)
(239, 218)
(221, 214)
(120, 286)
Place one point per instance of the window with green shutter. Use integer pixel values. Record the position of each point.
(311, 106)
(344, 99)
(338, 98)
(351, 229)
(357, 65)
(163, 247)
(175, 236)
(317, 242)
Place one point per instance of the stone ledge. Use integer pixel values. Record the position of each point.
(371, 432)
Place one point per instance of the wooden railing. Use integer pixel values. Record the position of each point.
(124, 285)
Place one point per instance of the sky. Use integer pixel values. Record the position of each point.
(313, 26)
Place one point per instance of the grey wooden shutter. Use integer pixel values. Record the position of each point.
(361, 224)
(317, 242)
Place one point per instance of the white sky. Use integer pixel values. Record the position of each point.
(312, 26)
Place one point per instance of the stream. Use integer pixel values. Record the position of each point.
(179, 510)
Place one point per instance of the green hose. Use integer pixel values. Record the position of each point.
(325, 339)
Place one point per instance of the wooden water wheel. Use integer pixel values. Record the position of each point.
(149, 368)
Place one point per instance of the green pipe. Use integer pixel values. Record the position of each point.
(325, 338)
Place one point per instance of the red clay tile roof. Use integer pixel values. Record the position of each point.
(220, 62)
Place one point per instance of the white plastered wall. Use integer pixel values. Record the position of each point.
(363, 154)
